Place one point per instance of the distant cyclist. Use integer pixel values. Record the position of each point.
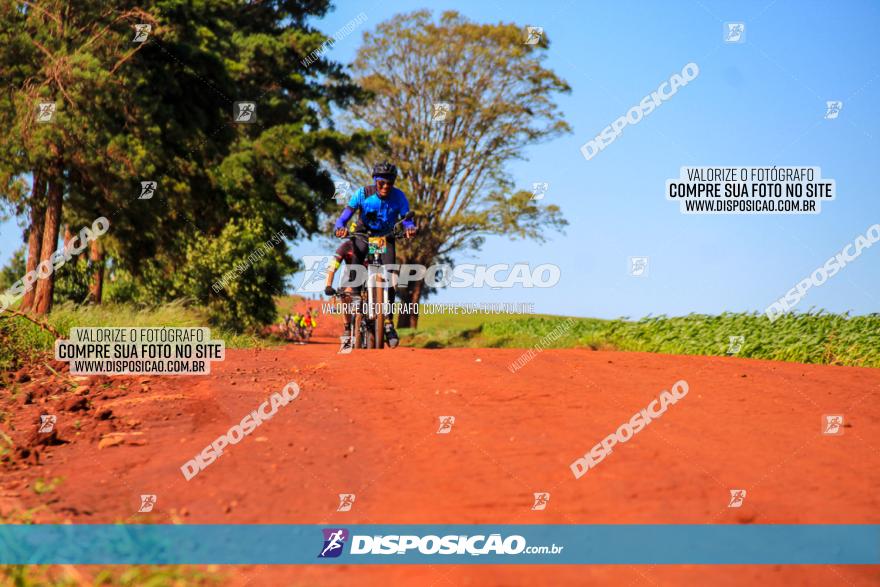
(344, 253)
(379, 207)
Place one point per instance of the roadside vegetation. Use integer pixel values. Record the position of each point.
(22, 341)
(67, 575)
(821, 338)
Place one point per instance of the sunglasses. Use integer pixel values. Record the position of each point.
(383, 182)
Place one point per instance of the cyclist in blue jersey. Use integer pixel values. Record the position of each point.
(379, 207)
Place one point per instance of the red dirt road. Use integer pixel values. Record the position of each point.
(366, 423)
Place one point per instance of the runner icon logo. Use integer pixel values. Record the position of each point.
(539, 189)
(533, 35)
(346, 500)
(541, 500)
(341, 191)
(737, 497)
(832, 109)
(446, 423)
(147, 503)
(734, 32)
(47, 423)
(638, 266)
(735, 345)
(832, 424)
(148, 188)
(440, 111)
(334, 540)
(46, 111)
(244, 112)
(315, 274)
(141, 32)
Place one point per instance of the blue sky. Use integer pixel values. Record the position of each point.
(759, 103)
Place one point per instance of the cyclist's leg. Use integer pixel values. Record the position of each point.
(349, 279)
(389, 259)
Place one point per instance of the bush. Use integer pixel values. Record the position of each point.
(233, 276)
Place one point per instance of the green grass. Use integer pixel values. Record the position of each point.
(21, 340)
(42, 486)
(837, 339)
(134, 575)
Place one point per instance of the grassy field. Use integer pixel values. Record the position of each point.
(21, 340)
(836, 339)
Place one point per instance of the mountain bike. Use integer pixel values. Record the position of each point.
(351, 304)
(371, 331)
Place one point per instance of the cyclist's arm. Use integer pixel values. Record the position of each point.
(404, 210)
(344, 217)
(353, 204)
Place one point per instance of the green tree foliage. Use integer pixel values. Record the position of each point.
(233, 276)
(13, 270)
(501, 100)
(162, 110)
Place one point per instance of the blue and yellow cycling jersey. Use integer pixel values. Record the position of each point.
(377, 214)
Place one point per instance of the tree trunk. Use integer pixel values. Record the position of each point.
(35, 233)
(96, 256)
(412, 294)
(46, 286)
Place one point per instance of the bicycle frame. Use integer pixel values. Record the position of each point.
(372, 333)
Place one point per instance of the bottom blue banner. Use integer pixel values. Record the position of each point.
(440, 544)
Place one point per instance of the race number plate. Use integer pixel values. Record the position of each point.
(377, 245)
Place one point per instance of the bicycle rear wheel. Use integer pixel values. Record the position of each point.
(369, 338)
(379, 321)
(355, 331)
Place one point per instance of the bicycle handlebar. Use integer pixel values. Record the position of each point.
(394, 230)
